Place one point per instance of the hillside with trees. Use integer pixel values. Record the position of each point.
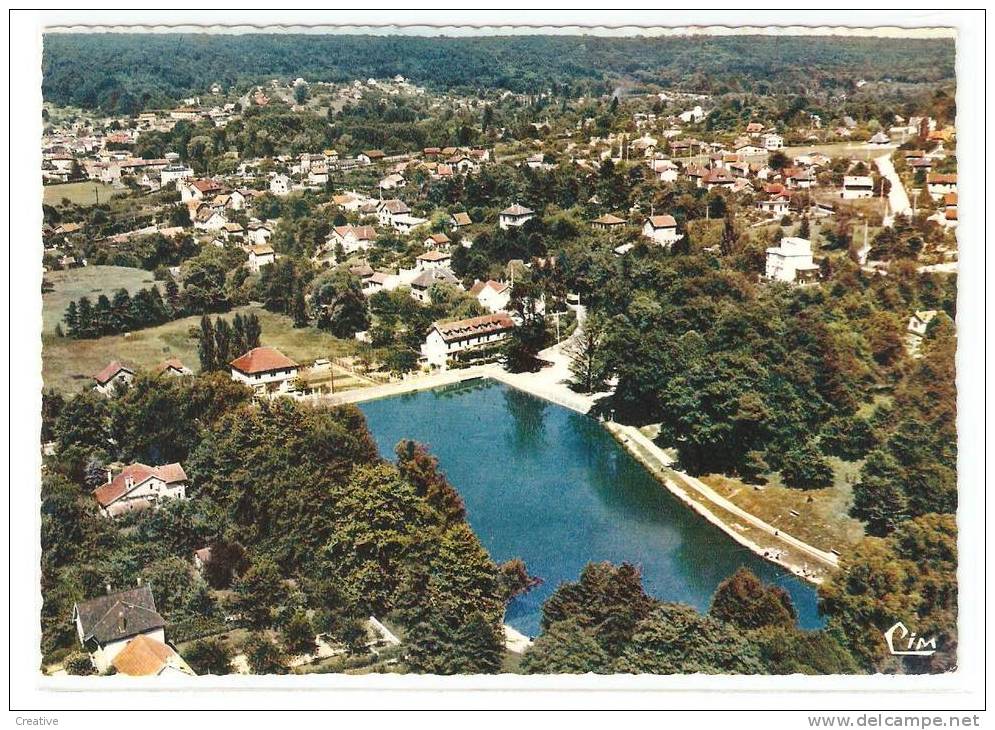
(125, 73)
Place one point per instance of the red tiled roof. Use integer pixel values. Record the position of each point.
(433, 256)
(133, 475)
(662, 221)
(142, 657)
(939, 178)
(108, 373)
(609, 220)
(517, 210)
(206, 186)
(474, 327)
(171, 363)
(262, 360)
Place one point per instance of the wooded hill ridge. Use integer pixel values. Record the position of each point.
(125, 73)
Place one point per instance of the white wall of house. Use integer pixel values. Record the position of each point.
(271, 381)
(436, 350)
(150, 492)
(513, 221)
(104, 655)
(664, 236)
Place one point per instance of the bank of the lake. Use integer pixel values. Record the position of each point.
(552, 486)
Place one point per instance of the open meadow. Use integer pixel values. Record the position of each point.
(69, 363)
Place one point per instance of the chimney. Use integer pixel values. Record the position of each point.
(110, 475)
(122, 622)
(108, 587)
(138, 581)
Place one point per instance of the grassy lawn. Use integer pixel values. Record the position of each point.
(90, 281)
(821, 518)
(81, 193)
(67, 364)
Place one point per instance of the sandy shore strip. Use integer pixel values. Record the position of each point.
(407, 385)
(803, 560)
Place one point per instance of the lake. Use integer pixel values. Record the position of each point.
(552, 487)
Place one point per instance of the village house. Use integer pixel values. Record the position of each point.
(661, 229)
(173, 366)
(754, 128)
(105, 625)
(857, 186)
(608, 222)
(437, 240)
(775, 205)
(919, 321)
(493, 296)
(750, 150)
(368, 157)
(791, 261)
(198, 189)
(950, 209)
(445, 340)
(692, 116)
(259, 233)
(144, 656)
(209, 219)
(717, 178)
(460, 220)
(115, 375)
(280, 185)
(515, 216)
(389, 210)
(266, 370)
(433, 260)
(939, 184)
(260, 255)
(772, 141)
(139, 487)
(421, 285)
(392, 182)
(353, 238)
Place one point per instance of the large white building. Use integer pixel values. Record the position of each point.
(445, 340)
(791, 261)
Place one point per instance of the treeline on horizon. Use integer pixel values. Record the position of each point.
(125, 73)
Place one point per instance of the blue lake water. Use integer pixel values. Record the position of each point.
(552, 487)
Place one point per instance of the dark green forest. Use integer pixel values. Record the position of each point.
(124, 73)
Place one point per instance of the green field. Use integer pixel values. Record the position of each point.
(67, 364)
(89, 281)
(81, 193)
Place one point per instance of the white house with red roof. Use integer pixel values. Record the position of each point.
(198, 189)
(139, 487)
(353, 238)
(661, 229)
(492, 295)
(108, 379)
(265, 369)
(515, 216)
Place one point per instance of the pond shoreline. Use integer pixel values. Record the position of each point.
(793, 555)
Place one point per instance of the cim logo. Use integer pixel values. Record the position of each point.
(915, 646)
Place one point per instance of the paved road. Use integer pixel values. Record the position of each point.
(898, 199)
